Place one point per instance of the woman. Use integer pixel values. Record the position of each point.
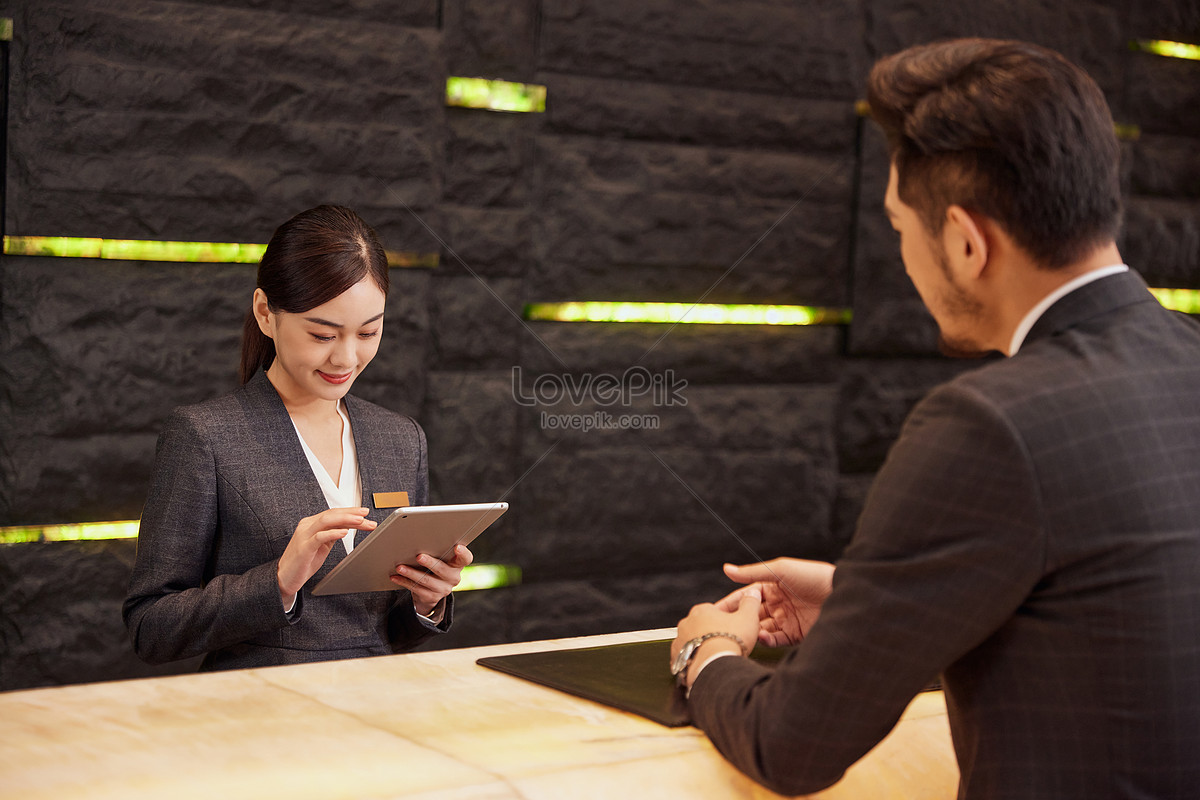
(257, 495)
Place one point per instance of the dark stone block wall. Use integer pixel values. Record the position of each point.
(688, 151)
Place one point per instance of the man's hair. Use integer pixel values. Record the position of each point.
(1006, 129)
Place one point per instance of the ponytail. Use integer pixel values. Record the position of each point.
(258, 350)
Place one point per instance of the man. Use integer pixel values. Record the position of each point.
(1034, 535)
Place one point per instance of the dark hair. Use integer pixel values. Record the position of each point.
(1009, 130)
(312, 258)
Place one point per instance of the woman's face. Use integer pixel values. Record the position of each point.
(320, 352)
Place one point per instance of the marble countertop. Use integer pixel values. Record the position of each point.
(426, 725)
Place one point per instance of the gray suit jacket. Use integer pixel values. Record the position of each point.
(231, 482)
(1034, 536)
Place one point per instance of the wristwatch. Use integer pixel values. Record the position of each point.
(679, 667)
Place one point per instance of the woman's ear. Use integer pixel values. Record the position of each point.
(965, 242)
(263, 314)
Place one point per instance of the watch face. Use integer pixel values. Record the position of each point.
(681, 660)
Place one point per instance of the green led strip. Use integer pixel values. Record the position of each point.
(132, 249)
(1185, 300)
(488, 576)
(1127, 131)
(1160, 47)
(152, 250)
(695, 313)
(83, 531)
(495, 95)
(474, 577)
(396, 258)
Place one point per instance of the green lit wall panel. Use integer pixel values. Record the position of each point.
(132, 249)
(153, 250)
(685, 313)
(1185, 300)
(1127, 131)
(403, 259)
(83, 531)
(1160, 47)
(495, 95)
(488, 576)
(474, 577)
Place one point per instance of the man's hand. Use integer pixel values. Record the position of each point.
(792, 592)
(741, 620)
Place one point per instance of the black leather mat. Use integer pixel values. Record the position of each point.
(633, 677)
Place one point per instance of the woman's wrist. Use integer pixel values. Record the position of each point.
(434, 614)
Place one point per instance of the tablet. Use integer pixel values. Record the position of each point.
(400, 538)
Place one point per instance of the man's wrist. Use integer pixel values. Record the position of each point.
(709, 651)
(686, 657)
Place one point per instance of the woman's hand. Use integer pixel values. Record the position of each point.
(437, 578)
(310, 545)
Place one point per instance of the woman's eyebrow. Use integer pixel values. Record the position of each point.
(338, 325)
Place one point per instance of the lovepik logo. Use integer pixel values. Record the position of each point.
(604, 389)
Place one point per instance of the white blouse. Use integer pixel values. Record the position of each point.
(347, 491)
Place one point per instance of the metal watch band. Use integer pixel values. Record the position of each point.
(693, 645)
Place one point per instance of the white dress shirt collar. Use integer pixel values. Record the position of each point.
(1036, 312)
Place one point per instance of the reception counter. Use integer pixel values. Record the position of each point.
(426, 725)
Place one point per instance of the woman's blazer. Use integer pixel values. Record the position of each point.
(230, 484)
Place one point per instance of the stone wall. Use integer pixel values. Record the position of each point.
(688, 150)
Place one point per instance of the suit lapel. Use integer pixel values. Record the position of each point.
(366, 446)
(290, 467)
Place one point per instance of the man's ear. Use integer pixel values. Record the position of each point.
(263, 314)
(965, 241)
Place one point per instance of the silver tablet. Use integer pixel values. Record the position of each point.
(399, 539)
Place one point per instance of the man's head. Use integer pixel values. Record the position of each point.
(1009, 130)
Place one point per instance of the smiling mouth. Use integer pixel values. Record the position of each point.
(335, 378)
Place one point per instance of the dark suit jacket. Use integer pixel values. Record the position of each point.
(231, 482)
(1034, 536)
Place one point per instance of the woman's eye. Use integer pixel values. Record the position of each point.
(369, 334)
(321, 338)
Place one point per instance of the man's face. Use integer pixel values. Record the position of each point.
(956, 311)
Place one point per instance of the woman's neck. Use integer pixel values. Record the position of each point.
(300, 405)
